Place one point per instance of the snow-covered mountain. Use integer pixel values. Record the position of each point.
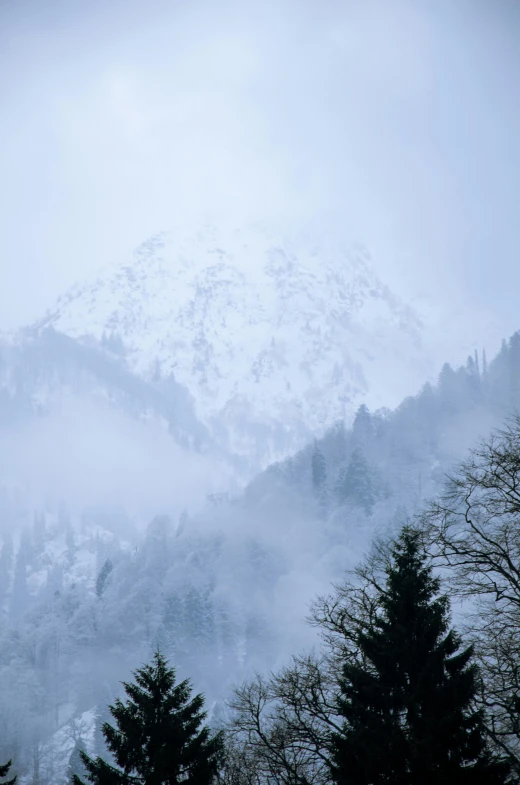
(275, 337)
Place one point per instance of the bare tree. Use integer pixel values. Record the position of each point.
(282, 726)
(285, 723)
(473, 532)
(240, 765)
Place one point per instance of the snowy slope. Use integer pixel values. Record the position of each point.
(274, 337)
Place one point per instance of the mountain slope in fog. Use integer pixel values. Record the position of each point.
(275, 338)
(223, 592)
(44, 366)
(78, 427)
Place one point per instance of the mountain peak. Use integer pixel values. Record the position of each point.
(275, 336)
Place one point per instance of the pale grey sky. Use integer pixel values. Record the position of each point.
(400, 120)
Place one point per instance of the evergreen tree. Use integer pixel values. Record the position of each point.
(448, 387)
(408, 707)
(355, 483)
(472, 368)
(160, 737)
(4, 772)
(103, 576)
(362, 428)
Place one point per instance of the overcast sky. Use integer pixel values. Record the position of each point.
(399, 121)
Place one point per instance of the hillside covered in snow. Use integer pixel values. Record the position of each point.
(275, 337)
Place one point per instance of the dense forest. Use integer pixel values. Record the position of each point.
(223, 594)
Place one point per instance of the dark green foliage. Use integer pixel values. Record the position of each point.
(4, 772)
(159, 735)
(407, 709)
(102, 578)
(355, 483)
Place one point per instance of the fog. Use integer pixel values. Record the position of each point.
(87, 455)
(399, 123)
(137, 508)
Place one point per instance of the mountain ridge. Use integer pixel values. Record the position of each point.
(274, 337)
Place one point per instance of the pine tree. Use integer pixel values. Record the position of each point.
(160, 736)
(103, 576)
(473, 376)
(4, 772)
(408, 716)
(362, 428)
(355, 483)
(449, 391)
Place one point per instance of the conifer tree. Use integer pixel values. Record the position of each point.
(362, 428)
(160, 737)
(408, 716)
(103, 576)
(4, 772)
(355, 483)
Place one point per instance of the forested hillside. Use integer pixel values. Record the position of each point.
(223, 592)
(399, 457)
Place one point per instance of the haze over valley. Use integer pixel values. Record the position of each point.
(258, 299)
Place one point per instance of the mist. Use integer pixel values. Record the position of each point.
(88, 455)
(398, 125)
(258, 297)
